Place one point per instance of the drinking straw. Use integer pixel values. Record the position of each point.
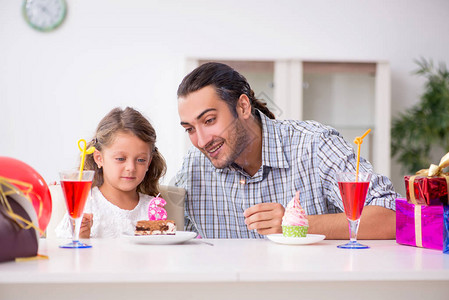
(83, 154)
(358, 141)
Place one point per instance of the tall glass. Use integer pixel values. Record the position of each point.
(353, 193)
(75, 190)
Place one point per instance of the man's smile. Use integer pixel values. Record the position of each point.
(212, 150)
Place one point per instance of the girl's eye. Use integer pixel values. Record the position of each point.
(141, 160)
(120, 158)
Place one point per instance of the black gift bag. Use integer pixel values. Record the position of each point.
(18, 223)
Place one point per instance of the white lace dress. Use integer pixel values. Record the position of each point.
(109, 221)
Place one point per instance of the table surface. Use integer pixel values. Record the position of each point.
(119, 260)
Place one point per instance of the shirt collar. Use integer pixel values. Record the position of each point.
(272, 151)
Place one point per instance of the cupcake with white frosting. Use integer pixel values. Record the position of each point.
(294, 221)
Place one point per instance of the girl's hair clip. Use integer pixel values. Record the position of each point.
(155, 149)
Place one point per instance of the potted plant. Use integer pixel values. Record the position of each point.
(425, 126)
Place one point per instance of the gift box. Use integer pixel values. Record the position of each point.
(429, 186)
(446, 230)
(420, 226)
(423, 190)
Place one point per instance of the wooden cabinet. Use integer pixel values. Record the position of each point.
(349, 96)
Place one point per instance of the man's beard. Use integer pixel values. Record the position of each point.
(237, 141)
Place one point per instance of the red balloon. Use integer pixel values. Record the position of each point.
(31, 184)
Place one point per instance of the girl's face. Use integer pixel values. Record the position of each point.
(124, 162)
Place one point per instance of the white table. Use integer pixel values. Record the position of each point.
(231, 269)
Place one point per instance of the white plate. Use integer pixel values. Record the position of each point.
(309, 239)
(179, 237)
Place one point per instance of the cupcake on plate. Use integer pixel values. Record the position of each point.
(294, 221)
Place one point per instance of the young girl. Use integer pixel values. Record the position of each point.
(127, 169)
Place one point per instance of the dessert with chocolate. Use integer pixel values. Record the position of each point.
(155, 227)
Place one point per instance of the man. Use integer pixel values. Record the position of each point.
(246, 166)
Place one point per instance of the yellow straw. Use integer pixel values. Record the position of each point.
(358, 141)
(83, 154)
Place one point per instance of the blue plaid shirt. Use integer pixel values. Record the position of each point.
(296, 155)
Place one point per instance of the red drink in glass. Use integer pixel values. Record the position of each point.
(76, 186)
(353, 190)
(353, 195)
(75, 196)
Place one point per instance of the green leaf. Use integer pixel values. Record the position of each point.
(424, 126)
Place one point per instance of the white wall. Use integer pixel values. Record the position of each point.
(55, 87)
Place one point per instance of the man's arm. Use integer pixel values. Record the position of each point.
(376, 223)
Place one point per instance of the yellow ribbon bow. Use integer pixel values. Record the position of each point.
(7, 188)
(435, 170)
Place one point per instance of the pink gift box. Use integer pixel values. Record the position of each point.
(419, 225)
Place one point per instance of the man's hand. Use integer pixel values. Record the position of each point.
(86, 224)
(265, 217)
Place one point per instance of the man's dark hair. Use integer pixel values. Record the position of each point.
(228, 83)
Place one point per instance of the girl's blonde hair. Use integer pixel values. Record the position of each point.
(131, 121)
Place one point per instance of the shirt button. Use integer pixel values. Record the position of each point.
(242, 181)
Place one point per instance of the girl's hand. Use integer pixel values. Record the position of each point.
(86, 224)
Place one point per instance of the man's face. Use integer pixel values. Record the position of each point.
(211, 126)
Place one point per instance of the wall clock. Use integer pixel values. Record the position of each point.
(44, 15)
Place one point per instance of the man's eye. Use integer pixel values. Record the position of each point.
(210, 121)
(189, 130)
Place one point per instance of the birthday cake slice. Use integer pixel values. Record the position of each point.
(157, 220)
(155, 227)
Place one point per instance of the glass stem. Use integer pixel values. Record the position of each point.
(353, 228)
(76, 224)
